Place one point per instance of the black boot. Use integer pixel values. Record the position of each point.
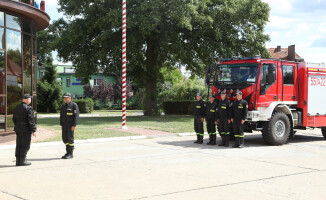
(213, 139)
(223, 141)
(201, 138)
(64, 157)
(17, 161)
(236, 143)
(197, 139)
(70, 152)
(22, 162)
(227, 139)
(241, 142)
(210, 139)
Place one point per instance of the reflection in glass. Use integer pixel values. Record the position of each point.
(34, 75)
(10, 123)
(2, 105)
(27, 59)
(2, 73)
(26, 26)
(2, 38)
(13, 22)
(2, 19)
(14, 70)
(2, 123)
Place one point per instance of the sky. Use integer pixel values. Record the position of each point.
(299, 22)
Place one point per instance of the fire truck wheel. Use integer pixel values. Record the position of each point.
(323, 130)
(277, 130)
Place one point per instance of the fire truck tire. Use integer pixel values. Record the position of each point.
(323, 130)
(277, 130)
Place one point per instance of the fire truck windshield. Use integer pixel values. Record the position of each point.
(236, 74)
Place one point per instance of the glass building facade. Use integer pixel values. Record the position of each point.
(18, 62)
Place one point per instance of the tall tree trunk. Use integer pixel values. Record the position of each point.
(152, 70)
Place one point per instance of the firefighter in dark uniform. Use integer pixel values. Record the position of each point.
(69, 115)
(239, 111)
(223, 118)
(24, 127)
(211, 112)
(199, 114)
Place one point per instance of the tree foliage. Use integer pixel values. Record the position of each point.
(190, 33)
(49, 91)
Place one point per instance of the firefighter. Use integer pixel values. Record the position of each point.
(239, 111)
(199, 114)
(23, 119)
(223, 119)
(211, 111)
(69, 115)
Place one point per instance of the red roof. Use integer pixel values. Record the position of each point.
(283, 54)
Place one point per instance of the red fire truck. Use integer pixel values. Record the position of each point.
(282, 96)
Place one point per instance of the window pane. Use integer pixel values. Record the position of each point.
(2, 38)
(288, 77)
(2, 72)
(26, 26)
(2, 123)
(10, 124)
(2, 105)
(13, 22)
(14, 70)
(34, 81)
(68, 82)
(2, 19)
(27, 55)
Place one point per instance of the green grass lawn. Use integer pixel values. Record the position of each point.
(104, 112)
(96, 127)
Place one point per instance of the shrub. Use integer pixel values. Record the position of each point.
(178, 107)
(85, 105)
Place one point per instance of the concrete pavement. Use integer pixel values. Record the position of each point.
(169, 168)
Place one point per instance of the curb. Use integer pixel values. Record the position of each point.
(98, 140)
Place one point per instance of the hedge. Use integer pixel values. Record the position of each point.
(185, 107)
(85, 105)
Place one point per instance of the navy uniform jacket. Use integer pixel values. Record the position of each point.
(239, 109)
(24, 119)
(69, 114)
(211, 110)
(224, 109)
(199, 109)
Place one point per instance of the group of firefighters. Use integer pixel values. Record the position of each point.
(223, 114)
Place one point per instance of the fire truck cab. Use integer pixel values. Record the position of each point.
(282, 96)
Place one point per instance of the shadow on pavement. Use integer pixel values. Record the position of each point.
(251, 141)
(7, 166)
(43, 159)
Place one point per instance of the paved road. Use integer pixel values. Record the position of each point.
(170, 168)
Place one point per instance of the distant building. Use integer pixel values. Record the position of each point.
(69, 82)
(285, 53)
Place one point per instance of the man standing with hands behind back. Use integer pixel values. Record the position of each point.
(69, 115)
(24, 127)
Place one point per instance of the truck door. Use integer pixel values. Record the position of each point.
(290, 83)
(268, 85)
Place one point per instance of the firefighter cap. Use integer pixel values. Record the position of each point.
(67, 94)
(240, 93)
(198, 94)
(212, 95)
(27, 96)
(223, 92)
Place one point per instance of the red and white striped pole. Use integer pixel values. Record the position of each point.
(124, 64)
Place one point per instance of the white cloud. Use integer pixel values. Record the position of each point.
(299, 22)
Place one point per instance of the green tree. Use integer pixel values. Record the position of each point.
(49, 91)
(191, 33)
